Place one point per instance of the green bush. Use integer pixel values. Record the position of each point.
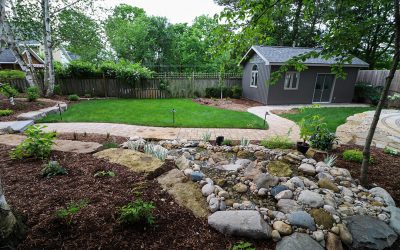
(70, 210)
(8, 91)
(227, 92)
(36, 145)
(242, 245)
(57, 89)
(281, 142)
(391, 151)
(135, 212)
(236, 92)
(53, 168)
(364, 92)
(227, 142)
(81, 69)
(322, 138)
(213, 92)
(8, 74)
(73, 98)
(6, 112)
(33, 93)
(354, 155)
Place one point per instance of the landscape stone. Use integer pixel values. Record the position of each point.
(322, 218)
(277, 189)
(182, 163)
(333, 242)
(207, 189)
(297, 182)
(326, 183)
(266, 181)
(298, 241)
(302, 219)
(230, 167)
(380, 192)
(287, 206)
(370, 232)
(197, 176)
(241, 223)
(282, 228)
(214, 204)
(286, 194)
(323, 175)
(318, 235)
(345, 235)
(275, 236)
(279, 169)
(307, 169)
(240, 188)
(394, 221)
(243, 162)
(311, 199)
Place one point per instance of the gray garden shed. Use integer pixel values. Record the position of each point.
(316, 84)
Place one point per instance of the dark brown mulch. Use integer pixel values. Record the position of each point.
(230, 104)
(384, 171)
(21, 107)
(96, 225)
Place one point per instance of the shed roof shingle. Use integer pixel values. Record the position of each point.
(6, 56)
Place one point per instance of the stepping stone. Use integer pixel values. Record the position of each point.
(38, 114)
(15, 126)
(242, 223)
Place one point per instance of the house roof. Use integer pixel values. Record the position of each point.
(6, 56)
(278, 55)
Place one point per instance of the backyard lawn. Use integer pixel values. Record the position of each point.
(333, 117)
(157, 113)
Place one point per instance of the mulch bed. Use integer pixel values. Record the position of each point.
(384, 171)
(96, 226)
(21, 107)
(230, 104)
(99, 138)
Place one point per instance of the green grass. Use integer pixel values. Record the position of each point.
(157, 113)
(333, 117)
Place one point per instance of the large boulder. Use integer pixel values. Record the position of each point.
(279, 168)
(298, 241)
(382, 193)
(395, 218)
(302, 219)
(311, 199)
(370, 232)
(242, 223)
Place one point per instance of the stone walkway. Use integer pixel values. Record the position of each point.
(387, 133)
(162, 133)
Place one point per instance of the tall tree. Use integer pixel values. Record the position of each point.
(384, 94)
(49, 73)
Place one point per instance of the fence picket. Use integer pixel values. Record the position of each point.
(378, 77)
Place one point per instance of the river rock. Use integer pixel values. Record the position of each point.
(287, 206)
(266, 181)
(345, 235)
(307, 169)
(207, 189)
(241, 223)
(182, 163)
(302, 219)
(240, 188)
(213, 204)
(286, 194)
(326, 183)
(275, 236)
(297, 182)
(369, 232)
(298, 241)
(282, 228)
(394, 221)
(311, 199)
(279, 169)
(380, 192)
(333, 242)
(277, 189)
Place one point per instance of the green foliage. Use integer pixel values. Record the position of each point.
(227, 142)
(8, 91)
(104, 174)
(322, 138)
(125, 70)
(53, 168)
(70, 210)
(33, 93)
(244, 142)
(136, 212)
(354, 155)
(37, 144)
(73, 98)
(8, 74)
(236, 92)
(156, 150)
(281, 142)
(330, 160)
(227, 92)
(391, 151)
(206, 136)
(107, 145)
(243, 245)
(364, 92)
(81, 69)
(57, 89)
(6, 112)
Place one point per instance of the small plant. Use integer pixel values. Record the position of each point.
(354, 155)
(244, 142)
(53, 168)
(73, 98)
(57, 89)
(6, 112)
(70, 210)
(135, 212)
(242, 245)
(136, 145)
(156, 151)
(322, 138)
(33, 93)
(8, 91)
(227, 142)
(330, 160)
(390, 151)
(206, 136)
(37, 144)
(104, 174)
(278, 141)
(87, 95)
(109, 144)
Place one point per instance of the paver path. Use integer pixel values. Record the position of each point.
(162, 133)
(59, 145)
(387, 133)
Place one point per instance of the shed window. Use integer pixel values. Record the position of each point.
(292, 80)
(254, 76)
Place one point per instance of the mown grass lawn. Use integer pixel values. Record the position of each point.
(333, 117)
(157, 113)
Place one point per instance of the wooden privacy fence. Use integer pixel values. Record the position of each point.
(162, 85)
(378, 77)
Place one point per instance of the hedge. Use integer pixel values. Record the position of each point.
(8, 74)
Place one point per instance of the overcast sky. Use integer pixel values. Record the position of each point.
(177, 11)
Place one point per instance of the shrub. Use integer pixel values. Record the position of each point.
(33, 93)
(244, 142)
(236, 92)
(135, 212)
(37, 144)
(354, 155)
(8, 91)
(213, 92)
(282, 142)
(8, 74)
(390, 151)
(6, 112)
(107, 145)
(81, 69)
(206, 136)
(57, 89)
(330, 160)
(156, 151)
(73, 98)
(322, 138)
(364, 92)
(104, 174)
(53, 168)
(70, 210)
(227, 142)
(242, 245)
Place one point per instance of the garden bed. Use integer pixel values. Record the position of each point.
(21, 107)
(230, 104)
(96, 226)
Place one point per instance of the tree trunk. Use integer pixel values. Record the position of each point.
(49, 77)
(8, 38)
(382, 100)
(296, 22)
